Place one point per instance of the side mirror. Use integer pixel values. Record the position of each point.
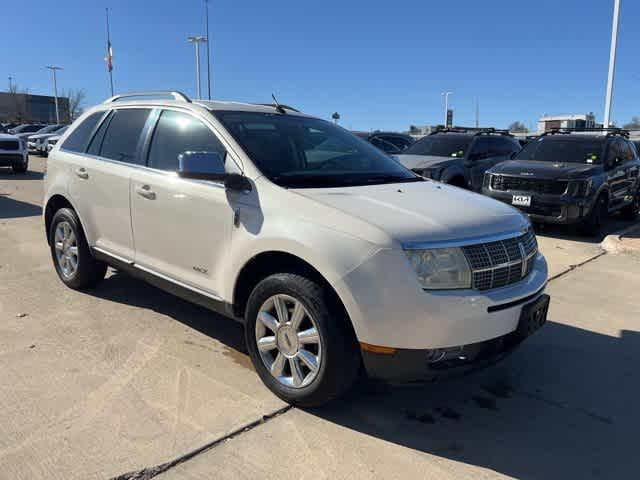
(210, 166)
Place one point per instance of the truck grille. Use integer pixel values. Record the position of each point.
(501, 263)
(9, 145)
(522, 184)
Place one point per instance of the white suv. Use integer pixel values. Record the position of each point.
(332, 254)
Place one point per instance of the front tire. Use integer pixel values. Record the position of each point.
(72, 258)
(21, 167)
(592, 225)
(300, 340)
(631, 211)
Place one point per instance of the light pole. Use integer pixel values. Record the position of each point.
(446, 106)
(197, 40)
(612, 63)
(206, 14)
(53, 69)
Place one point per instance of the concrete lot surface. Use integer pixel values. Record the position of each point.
(126, 377)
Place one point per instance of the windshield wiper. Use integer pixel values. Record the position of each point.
(389, 179)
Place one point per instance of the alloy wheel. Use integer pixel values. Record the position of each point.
(288, 341)
(66, 247)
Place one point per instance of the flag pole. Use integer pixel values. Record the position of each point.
(109, 59)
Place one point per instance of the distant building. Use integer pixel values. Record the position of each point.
(550, 122)
(24, 107)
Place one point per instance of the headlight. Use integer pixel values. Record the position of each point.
(486, 182)
(440, 268)
(579, 188)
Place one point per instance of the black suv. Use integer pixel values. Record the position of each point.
(571, 177)
(459, 156)
(389, 142)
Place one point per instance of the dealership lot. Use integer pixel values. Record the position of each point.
(93, 385)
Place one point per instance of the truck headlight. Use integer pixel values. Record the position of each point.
(440, 268)
(579, 188)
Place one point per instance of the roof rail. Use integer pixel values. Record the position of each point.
(287, 107)
(611, 131)
(471, 130)
(175, 94)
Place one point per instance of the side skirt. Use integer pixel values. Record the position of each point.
(218, 306)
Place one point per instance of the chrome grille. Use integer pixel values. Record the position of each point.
(498, 264)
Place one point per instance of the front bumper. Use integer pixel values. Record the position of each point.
(10, 159)
(409, 365)
(388, 307)
(556, 209)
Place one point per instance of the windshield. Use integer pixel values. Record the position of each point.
(563, 149)
(300, 152)
(452, 145)
(27, 128)
(50, 128)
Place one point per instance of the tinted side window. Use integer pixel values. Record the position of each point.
(96, 142)
(79, 138)
(178, 132)
(480, 148)
(613, 152)
(121, 138)
(627, 152)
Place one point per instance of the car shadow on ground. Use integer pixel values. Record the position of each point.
(12, 208)
(563, 405)
(567, 232)
(122, 288)
(7, 174)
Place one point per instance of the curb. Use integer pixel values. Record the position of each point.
(614, 243)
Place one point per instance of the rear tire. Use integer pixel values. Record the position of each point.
(21, 167)
(71, 256)
(631, 211)
(592, 225)
(335, 353)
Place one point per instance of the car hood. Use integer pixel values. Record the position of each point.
(546, 170)
(41, 136)
(7, 136)
(418, 212)
(418, 162)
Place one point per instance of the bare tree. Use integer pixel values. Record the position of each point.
(518, 127)
(76, 101)
(634, 124)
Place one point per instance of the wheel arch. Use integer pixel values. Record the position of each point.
(267, 263)
(55, 203)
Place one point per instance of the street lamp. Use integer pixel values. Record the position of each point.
(446, 106)
(53, 69)
(612, 63)
(197, 40)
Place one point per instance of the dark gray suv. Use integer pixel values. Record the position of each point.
(459, 156)
(571, 177)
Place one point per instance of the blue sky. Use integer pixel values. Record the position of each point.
(380, 64)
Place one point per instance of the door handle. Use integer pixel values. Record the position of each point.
(146, 192)
(82, 173)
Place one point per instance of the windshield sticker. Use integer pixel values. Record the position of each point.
(592, 158)
(459, 153)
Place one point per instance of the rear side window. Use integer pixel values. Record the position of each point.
(627, 152)
(96, 143)
(178, 132)
(123, 134)
(79, 138)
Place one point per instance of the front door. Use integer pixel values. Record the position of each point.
(181, 227)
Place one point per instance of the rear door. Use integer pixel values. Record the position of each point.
(100, 180)
(631, 167)
(616, 172)
(181, 227)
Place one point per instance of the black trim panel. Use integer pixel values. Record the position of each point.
(515, 303)
(217, 306)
